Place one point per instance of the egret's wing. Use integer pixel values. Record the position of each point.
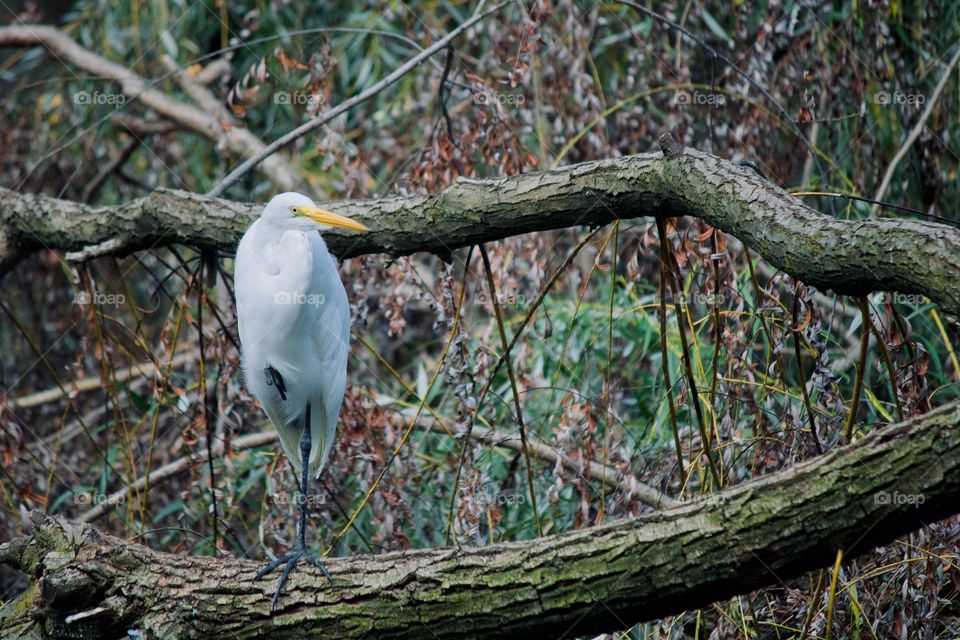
(289, 433)
(331, 347)
(324, 420)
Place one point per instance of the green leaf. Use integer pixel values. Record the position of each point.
(877, 405)
(715, 27)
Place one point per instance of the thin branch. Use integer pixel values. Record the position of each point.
(471, 422)
(915, 132)
(665, 366)
(795, 330)
(591, 470)
(237, 139)
(244, 167)
(891, 371)
(513, 386)
(669, 269)
(861, 367)
(94, 383)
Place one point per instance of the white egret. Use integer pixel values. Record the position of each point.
(294, 321)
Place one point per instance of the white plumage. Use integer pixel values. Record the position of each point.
(294, 317)
(295, 336)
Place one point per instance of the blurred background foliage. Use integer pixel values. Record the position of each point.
(534, 85)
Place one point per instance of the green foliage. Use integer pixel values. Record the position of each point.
(533, 87)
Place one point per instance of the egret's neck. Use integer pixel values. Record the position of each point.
(282, 250)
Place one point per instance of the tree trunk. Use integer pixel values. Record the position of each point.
(587, 581)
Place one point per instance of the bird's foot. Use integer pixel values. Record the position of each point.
(291, 559)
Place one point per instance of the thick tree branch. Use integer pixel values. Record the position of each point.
(581, 582)
(848, 256)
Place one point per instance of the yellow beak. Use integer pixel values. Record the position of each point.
(330, 219)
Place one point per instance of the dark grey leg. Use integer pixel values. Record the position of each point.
(299, 552)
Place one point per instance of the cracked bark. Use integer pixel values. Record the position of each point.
(598, 579)
(848, 256)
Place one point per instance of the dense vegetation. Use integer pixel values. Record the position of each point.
(822, 99)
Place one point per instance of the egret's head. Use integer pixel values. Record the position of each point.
(297, 211)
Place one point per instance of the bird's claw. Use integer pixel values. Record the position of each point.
(291, 559)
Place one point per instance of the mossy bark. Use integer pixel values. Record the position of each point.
(583, 582)
(847, 256)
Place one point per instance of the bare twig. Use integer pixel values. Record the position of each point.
(591, 470)
(669, 270)
(196, 90)
(212, 72)
(93, 188)
(610, 476)
(861, 367)
(142, 127)
(471, 423)
(915, 132)
(92, 383)
(513, 385)
(344, 106)
(665, 366)
(236, 138)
